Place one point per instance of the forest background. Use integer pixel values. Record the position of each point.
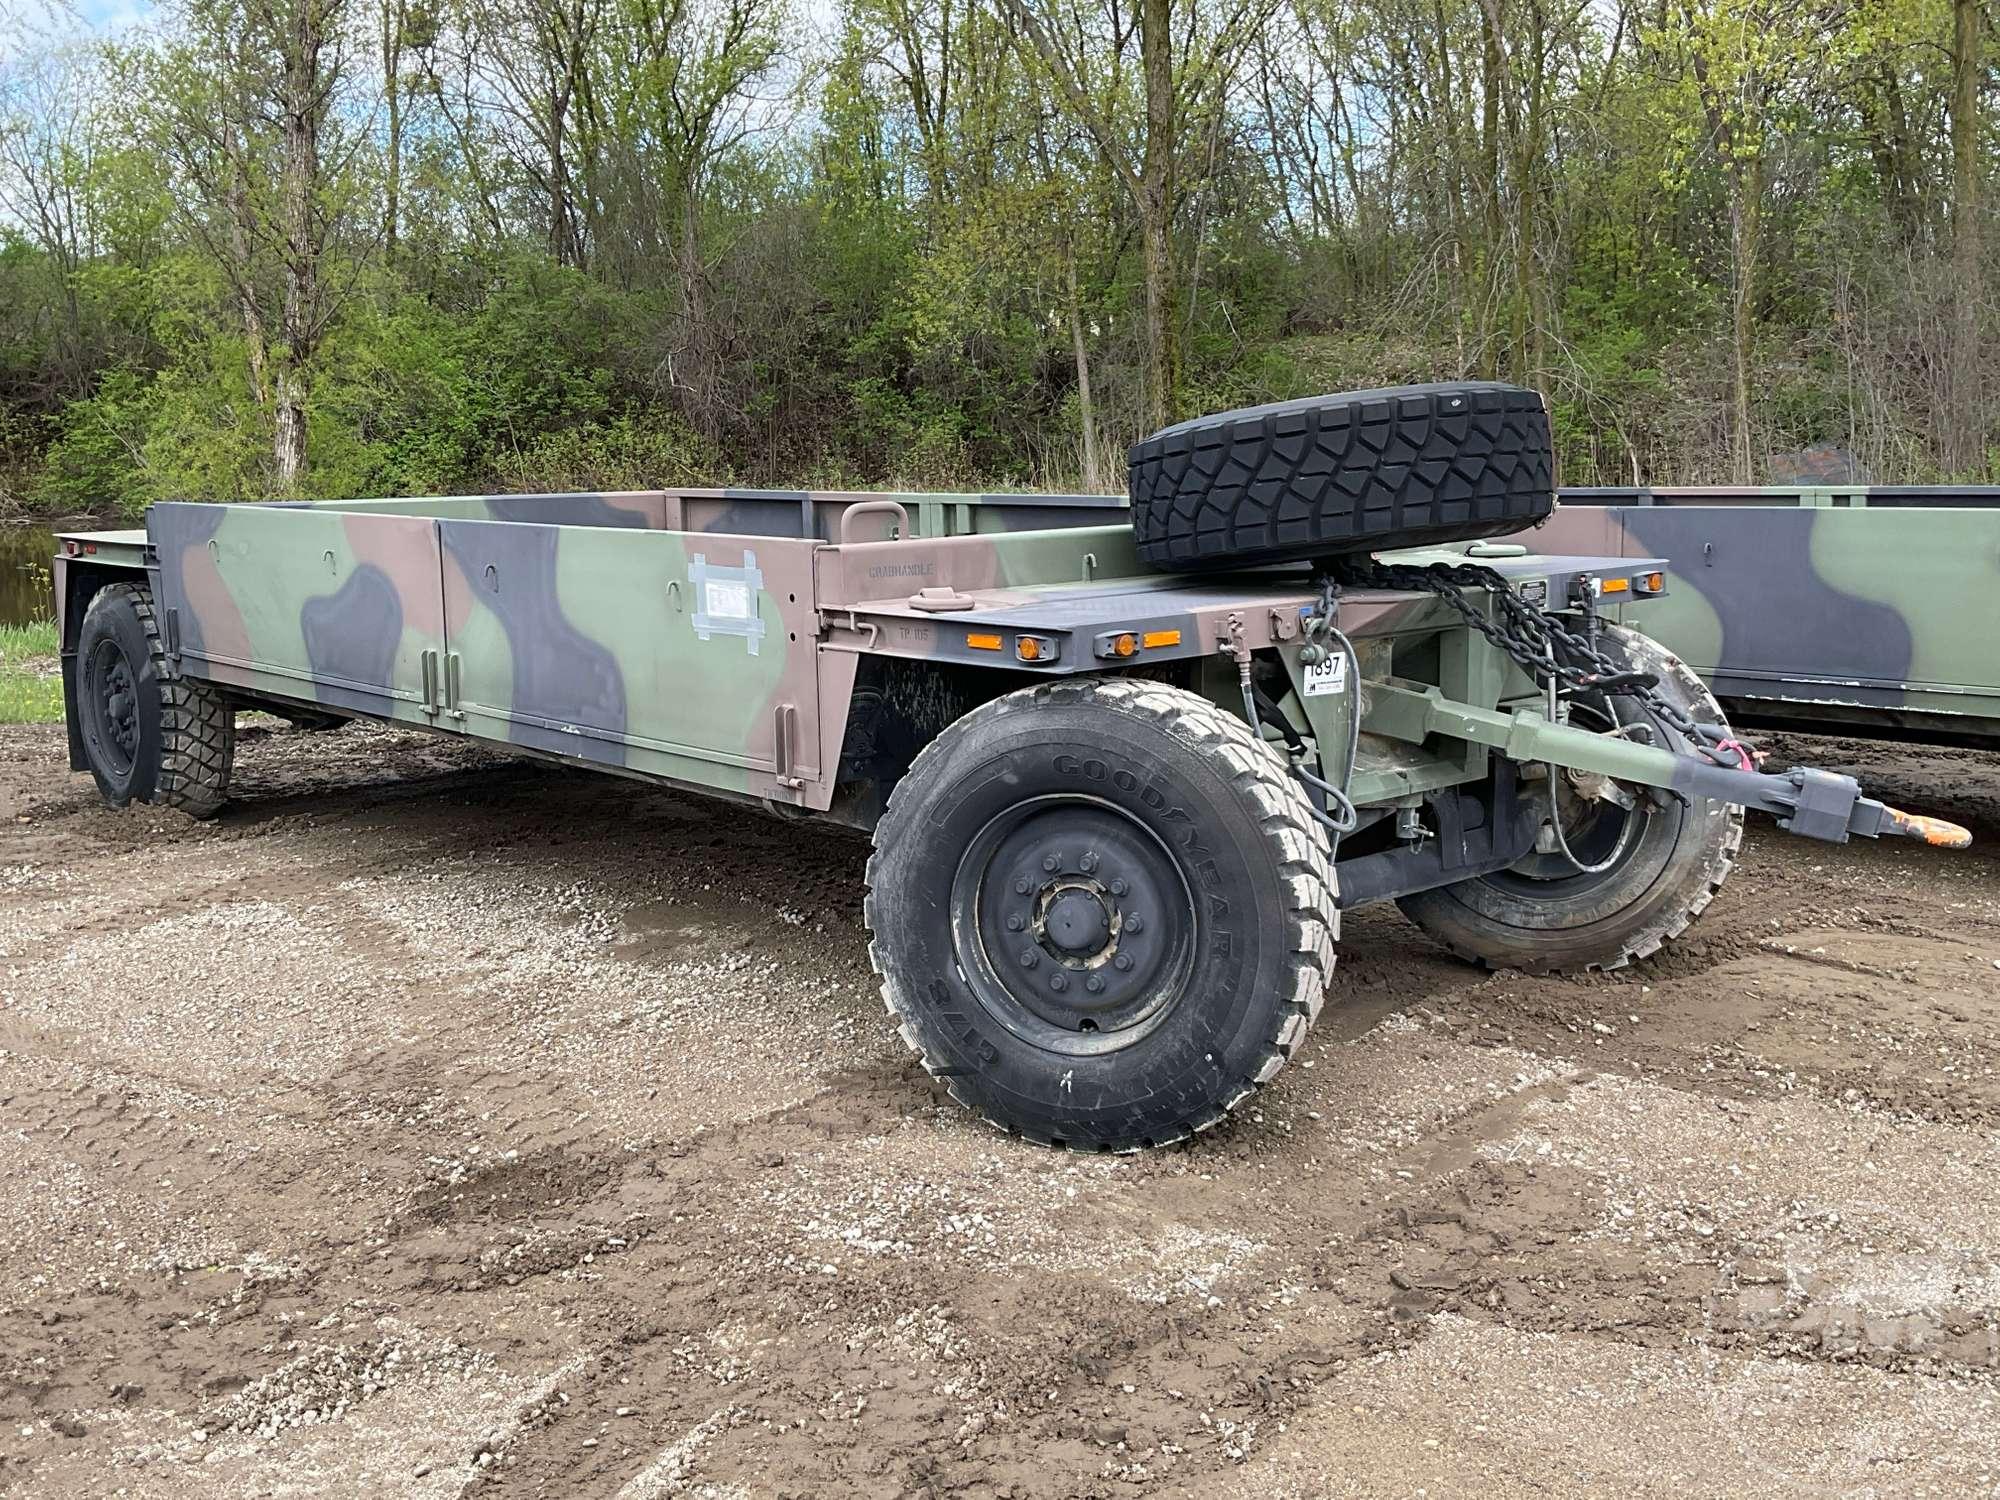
(319, 248)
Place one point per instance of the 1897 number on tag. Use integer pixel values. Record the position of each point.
(1328, 676)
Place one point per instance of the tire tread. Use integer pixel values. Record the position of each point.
(1361, 471)
(1298, 848)
(197, 724)
(1671, 921)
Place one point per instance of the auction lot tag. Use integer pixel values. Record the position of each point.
(1329, 676)
(726, 599)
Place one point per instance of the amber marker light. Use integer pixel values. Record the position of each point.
(1161, 638)
(983, 642)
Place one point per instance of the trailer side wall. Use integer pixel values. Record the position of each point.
(1834, 609)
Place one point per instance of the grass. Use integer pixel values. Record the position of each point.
(30, 679)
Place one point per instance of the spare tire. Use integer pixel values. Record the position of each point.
(1366, 471)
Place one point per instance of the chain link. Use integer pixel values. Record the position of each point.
(1539, 642)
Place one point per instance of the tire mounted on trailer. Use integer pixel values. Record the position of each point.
(149, 734)
(1102, 912)
(1666, 858)
(1365, 471)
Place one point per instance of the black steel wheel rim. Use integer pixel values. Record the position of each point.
(1073, 924)
(111, 703)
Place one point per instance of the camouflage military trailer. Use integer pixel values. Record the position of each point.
(1853, 609)
(1123, 771)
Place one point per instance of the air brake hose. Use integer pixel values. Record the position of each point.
(1342, 818)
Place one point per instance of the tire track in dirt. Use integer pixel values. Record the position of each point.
(604, 1093)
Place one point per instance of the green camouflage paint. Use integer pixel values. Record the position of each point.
(584, 642)
(713, 638)
(588, 627)
(1863, 607)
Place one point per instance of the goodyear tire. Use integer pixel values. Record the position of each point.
(1671, 857)
(1102, 912)
(149, 734)
(1365, 471)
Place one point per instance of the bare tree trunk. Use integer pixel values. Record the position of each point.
(701, 377)
(565, 38)
(392, 90)
(1156, 207)
(1151, 184)
(242, 273)
(1745, 212)
(302, 101)
(1529, 128)
(1086, 409)
(1965, 435)
(1491, 61)
(1454, 189)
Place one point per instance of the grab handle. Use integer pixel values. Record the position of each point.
(875, 508)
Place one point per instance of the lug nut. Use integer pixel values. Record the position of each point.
(1030, 957)
(1094, 984)
(1087, 863)
(1052, 863)
(1015, 924)
(1023, 886)
(1123, 961)
(1117, 887)
(1135, 923)
(1059, 982)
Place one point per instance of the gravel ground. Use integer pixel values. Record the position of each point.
(433, 1122)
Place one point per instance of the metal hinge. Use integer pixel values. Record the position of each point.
(427, 666)
(453, 666)
(785, 730)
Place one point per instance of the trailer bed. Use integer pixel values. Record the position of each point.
(1864, 609)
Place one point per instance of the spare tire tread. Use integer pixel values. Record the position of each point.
(1362, 471)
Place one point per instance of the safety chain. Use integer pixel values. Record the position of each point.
(1541, 644)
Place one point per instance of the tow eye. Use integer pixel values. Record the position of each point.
(1827, 805)
(1934, 831)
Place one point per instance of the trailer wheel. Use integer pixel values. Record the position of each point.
(1363, 471)
(1101, 911)
(1664, 861)
(149, 734)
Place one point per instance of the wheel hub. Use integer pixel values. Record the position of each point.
(1599, 820)
(1074, 924)
(115, 704)
(1078, 924)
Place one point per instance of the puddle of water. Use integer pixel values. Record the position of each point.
(24, 573)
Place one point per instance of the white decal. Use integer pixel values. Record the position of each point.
(726, 599)
(1328, 676)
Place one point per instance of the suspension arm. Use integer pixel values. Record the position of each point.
(1812, 803)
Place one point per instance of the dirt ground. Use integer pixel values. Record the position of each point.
(433, 1122)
